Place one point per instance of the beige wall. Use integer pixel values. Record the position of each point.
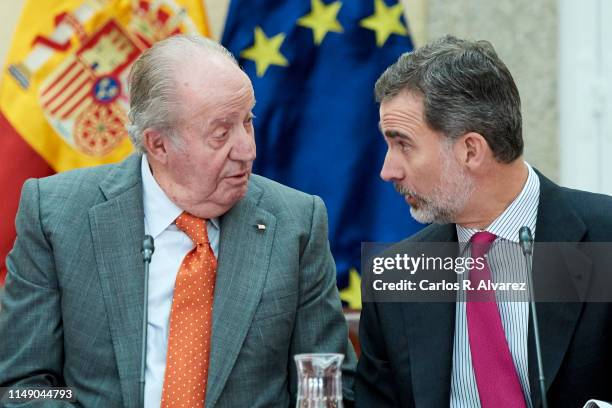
(524, 32)
(217, 11)
(9, 10)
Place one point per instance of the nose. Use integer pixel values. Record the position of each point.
(244, 148)
(391, 170)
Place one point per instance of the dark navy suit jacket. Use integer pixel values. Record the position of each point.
(407, 348)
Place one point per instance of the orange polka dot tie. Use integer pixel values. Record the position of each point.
(190, 321)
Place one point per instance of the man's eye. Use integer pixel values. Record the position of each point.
(221, 135)
(404, 146)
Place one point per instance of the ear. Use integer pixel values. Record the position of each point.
(472, 149)
(155, 145)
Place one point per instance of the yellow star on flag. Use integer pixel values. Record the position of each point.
(352, 293)
(385, 21)
(265, 51)
(322, 19)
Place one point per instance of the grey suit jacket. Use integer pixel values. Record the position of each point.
(72, 308)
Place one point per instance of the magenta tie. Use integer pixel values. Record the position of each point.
(496, 377)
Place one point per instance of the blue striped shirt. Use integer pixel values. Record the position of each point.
(505, 266)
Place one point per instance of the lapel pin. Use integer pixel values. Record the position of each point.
(261, 227)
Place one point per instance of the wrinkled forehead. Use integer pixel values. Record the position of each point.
(214, 92)
(403, 108)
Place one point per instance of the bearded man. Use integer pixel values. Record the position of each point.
(451, 117)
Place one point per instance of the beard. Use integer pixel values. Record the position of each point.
(447, 199)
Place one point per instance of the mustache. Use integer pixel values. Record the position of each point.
(404, 190)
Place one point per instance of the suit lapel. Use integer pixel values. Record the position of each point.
(557, 222)
(244, 256)
(431, 329)
(117, 231)
(431, 326)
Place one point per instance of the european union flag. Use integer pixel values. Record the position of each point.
(314, 65)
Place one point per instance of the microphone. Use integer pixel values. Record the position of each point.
(147, 252)
(526, 243)
(147, 248)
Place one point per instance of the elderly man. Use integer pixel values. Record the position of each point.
(241, 279)
(450, 115)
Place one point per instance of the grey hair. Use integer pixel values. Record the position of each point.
(465, 88)
(152, 83)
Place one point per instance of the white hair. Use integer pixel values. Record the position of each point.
(152, 83)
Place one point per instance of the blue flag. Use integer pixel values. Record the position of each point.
(313, 65)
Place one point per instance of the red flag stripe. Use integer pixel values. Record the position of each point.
(19, 162)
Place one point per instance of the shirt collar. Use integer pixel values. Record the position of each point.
(522, 211)
(159, 211)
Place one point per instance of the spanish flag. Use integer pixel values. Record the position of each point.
(63, 91)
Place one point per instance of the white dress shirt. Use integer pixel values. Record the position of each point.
(171, 246)
(504, 266)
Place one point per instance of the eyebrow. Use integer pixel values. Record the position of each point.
(394, 134)
(220, 122)
(227, 120)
